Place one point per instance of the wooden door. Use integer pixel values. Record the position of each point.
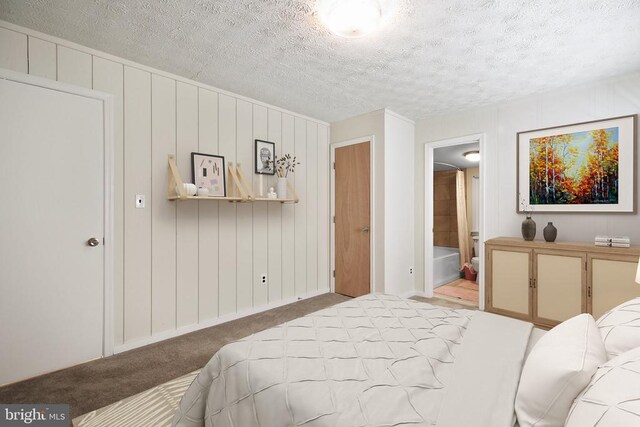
(51, 279)
(559, 287)
(507, 281)
(612, 281)
(352, 216)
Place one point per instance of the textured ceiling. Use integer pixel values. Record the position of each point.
(433, 56)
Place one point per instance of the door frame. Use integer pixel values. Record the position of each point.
(429, 148)
(109, 188)
(372, 229)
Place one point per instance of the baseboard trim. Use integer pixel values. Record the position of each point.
(140, 342)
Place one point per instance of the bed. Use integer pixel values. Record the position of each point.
(373, 360)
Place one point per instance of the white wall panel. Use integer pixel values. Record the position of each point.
(323, 207)
(399, 195)
(244, 238)
(108, 76)
(42, 58)
(163, 229)
(260, 222)
(274, 216)
(288, 216)
(500, 123)
(311, 201)
(208, 212)
(137, 222)
(300, 209)
(13, 50)
(187, 219)
(227, 219)
(74, 67)
(186, 263)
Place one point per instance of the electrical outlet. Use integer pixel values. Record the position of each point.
(410, 270)
(140, 201)
(263, 279)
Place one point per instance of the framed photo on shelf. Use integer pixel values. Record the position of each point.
(207, 170)
(582, 167)
(265, 157)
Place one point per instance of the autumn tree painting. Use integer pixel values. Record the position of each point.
(574, 168)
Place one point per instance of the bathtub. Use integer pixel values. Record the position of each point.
(446, 265)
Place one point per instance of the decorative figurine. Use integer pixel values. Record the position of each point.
(272, 193)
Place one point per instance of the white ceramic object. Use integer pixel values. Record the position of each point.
(272, 193)
(203, 192)
(189, 188)
(282, 188)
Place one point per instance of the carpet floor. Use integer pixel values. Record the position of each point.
(99, 383)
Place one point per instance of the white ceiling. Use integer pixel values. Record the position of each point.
(433, 56)
(454, 155)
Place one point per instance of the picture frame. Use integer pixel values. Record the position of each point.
(265, 151)
(581, 167)
(208, 171)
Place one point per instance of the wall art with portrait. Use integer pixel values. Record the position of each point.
(265, 157)
(583, 167)
(207, 171)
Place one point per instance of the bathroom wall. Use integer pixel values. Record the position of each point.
(445, 217)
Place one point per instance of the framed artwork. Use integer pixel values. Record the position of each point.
(582, 167)
(207, 170)
(265, 157)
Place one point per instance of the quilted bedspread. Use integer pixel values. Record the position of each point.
(373, 360)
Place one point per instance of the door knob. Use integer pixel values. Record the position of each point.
(365, 229)
(93, 242)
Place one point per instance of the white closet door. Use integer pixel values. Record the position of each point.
(51, 280)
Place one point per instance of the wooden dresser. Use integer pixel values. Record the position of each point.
(547, 283)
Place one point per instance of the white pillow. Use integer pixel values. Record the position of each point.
(620, 328)
(612, 398)
(558, 368)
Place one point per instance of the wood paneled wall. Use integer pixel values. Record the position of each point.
(445, 209)
(180, 265)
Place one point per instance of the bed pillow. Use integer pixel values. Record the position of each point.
(620, 328)
(557, 370)
(612, 398)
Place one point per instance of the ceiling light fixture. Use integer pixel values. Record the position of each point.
(350, 18)
(472, 156)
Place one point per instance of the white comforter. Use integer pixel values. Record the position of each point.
(375, 360)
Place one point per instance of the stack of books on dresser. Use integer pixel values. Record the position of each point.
(613, 241)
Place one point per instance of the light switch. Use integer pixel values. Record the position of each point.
(140, 201)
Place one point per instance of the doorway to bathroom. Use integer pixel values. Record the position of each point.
(453, 211)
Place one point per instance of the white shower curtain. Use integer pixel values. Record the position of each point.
(464, 237)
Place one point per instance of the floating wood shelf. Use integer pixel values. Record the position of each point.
(238, 190)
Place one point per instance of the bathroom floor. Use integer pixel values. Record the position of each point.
(461, 290)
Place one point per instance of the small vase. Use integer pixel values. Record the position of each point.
(528, 229)
(282, 188)
(550, 232)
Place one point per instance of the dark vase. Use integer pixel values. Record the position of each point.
(528, 229)
(550, 232)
